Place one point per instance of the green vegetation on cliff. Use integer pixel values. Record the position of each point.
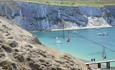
(97, 3)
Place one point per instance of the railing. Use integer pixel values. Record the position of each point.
(108, 66)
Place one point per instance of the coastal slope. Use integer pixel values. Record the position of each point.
(20, 50)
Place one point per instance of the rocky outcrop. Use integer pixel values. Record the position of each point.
(8, 8)
(19, 50)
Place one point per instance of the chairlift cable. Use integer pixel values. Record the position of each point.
(96, 43)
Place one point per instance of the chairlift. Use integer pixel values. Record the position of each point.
(68, 40)
(104, 55)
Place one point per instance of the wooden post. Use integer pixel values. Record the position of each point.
(108, 65)
(88, 67)
(99, 65)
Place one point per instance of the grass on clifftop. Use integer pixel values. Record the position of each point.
(96, 3)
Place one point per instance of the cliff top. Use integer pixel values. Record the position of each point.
(96, 3)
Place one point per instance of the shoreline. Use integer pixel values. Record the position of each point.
(76, 28)
(81, 28)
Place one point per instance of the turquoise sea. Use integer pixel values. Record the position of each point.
(84, 44)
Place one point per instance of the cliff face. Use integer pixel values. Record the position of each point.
(38, 16)
(19, 50)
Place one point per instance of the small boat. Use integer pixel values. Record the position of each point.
(58, 41)
(103, 34)
(99, 34)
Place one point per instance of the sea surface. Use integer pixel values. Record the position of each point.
(85, 44)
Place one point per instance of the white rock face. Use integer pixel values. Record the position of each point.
(97, 21)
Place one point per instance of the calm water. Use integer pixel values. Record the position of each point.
(84, 44)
